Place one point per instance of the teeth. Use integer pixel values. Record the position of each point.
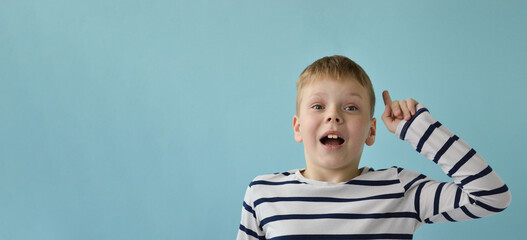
(333, 136)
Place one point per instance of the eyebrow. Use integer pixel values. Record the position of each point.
(355, 94)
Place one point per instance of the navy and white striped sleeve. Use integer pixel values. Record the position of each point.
(476, 191)
(249, 227)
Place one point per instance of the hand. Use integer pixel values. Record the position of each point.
(397, 111)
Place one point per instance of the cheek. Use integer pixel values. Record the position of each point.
(367, 127)
(361, 129)
(308, 131)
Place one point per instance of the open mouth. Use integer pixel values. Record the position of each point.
(332, 140)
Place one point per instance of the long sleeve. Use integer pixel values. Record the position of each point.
(249, 227)
(476, 191)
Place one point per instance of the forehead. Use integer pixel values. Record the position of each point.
(330, 87)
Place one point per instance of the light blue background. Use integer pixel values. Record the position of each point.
(148, 119)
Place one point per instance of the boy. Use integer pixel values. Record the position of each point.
(333, 199)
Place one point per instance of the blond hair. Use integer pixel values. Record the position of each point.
(338, 68)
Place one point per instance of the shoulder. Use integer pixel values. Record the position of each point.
(411, 178)
(274, 178)
(391, 174)
(404, 173)
(405, 177)
(272, 184)
(379, 174)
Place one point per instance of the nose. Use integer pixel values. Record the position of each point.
(336, 119)
(333, 116)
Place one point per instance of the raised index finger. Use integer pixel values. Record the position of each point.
(386, 97)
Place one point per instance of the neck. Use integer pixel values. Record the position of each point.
(331, 175)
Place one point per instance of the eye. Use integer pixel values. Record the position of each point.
(351, 108)
(317, 107)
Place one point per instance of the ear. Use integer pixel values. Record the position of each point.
(296, 129)
(371, 135)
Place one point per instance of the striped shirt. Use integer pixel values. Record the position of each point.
(383, 204)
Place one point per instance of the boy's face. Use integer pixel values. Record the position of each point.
(334, 123)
